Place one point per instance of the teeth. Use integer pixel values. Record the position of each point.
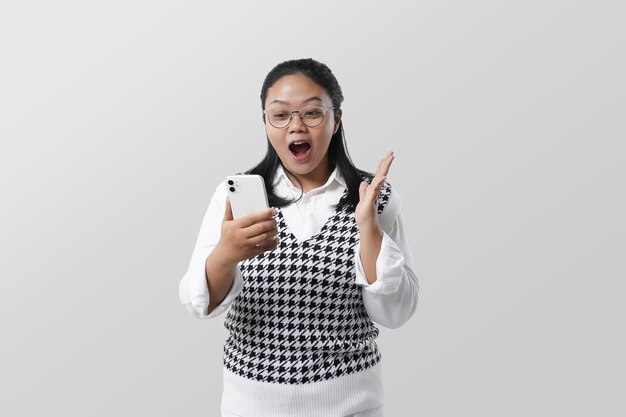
(300, 142)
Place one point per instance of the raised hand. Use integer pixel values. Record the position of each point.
(365, 212)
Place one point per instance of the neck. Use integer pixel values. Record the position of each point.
(313, 179)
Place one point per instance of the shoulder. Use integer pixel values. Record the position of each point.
(218, 198)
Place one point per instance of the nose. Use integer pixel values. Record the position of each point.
(295, 124)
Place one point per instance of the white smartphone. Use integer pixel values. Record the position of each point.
(247, 194)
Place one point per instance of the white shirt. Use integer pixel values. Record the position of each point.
(390, 301)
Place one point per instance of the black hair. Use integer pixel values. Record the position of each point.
(337, 151)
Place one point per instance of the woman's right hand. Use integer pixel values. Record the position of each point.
(247, 236)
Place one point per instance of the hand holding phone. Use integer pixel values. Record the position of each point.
(248, 228)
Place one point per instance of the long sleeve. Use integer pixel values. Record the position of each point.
(193, 290)
(392, 299)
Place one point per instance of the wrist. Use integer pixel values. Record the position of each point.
(370, 230)
(219, 259)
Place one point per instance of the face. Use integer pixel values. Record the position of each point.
(308, 159)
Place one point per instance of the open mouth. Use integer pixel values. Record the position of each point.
(299, 149)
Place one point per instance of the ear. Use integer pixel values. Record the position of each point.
(337, 121)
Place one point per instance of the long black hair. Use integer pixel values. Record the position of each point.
(337, 152)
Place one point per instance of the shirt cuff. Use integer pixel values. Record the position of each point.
(389, 267)
(199, 293)
(234, 292)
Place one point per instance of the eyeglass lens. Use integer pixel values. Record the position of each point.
(311, 116)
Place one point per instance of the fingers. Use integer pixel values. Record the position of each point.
(383, 168)
(228, 211)
(261, 228)
(257, 217)
(362, 188)
(265, 246)
(378, 182)
(259, 239)
(370, 192)
(374, 188)
(384, 164)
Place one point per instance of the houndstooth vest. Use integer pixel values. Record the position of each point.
(300, 316)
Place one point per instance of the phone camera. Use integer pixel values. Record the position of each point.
(231, 182)
(232, 189)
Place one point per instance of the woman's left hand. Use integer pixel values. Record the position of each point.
(365, 212)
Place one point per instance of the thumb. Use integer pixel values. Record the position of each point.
(228, 211)
(362, 188)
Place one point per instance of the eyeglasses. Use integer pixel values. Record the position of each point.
(311, 116)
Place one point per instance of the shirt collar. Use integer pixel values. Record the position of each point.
(281, 176)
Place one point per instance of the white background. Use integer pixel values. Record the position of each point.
(118, 119)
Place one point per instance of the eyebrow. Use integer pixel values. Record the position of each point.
(305, 101)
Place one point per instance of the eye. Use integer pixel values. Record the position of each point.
(280, 114)
(313, 112)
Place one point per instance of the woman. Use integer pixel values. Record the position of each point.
(305, 281)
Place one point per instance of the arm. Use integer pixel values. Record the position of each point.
(390, 299)
(382, 257)
(367, 220)
(370, 242)
(206, 297)
(213, 279)
(220, 277)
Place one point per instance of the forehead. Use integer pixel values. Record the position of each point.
(296, 89)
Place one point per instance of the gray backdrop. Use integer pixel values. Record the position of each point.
(119, 118)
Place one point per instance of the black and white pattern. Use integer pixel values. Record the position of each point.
(300, 317)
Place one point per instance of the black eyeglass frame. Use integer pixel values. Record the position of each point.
(324, 111)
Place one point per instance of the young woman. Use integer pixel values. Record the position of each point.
(307, 279)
